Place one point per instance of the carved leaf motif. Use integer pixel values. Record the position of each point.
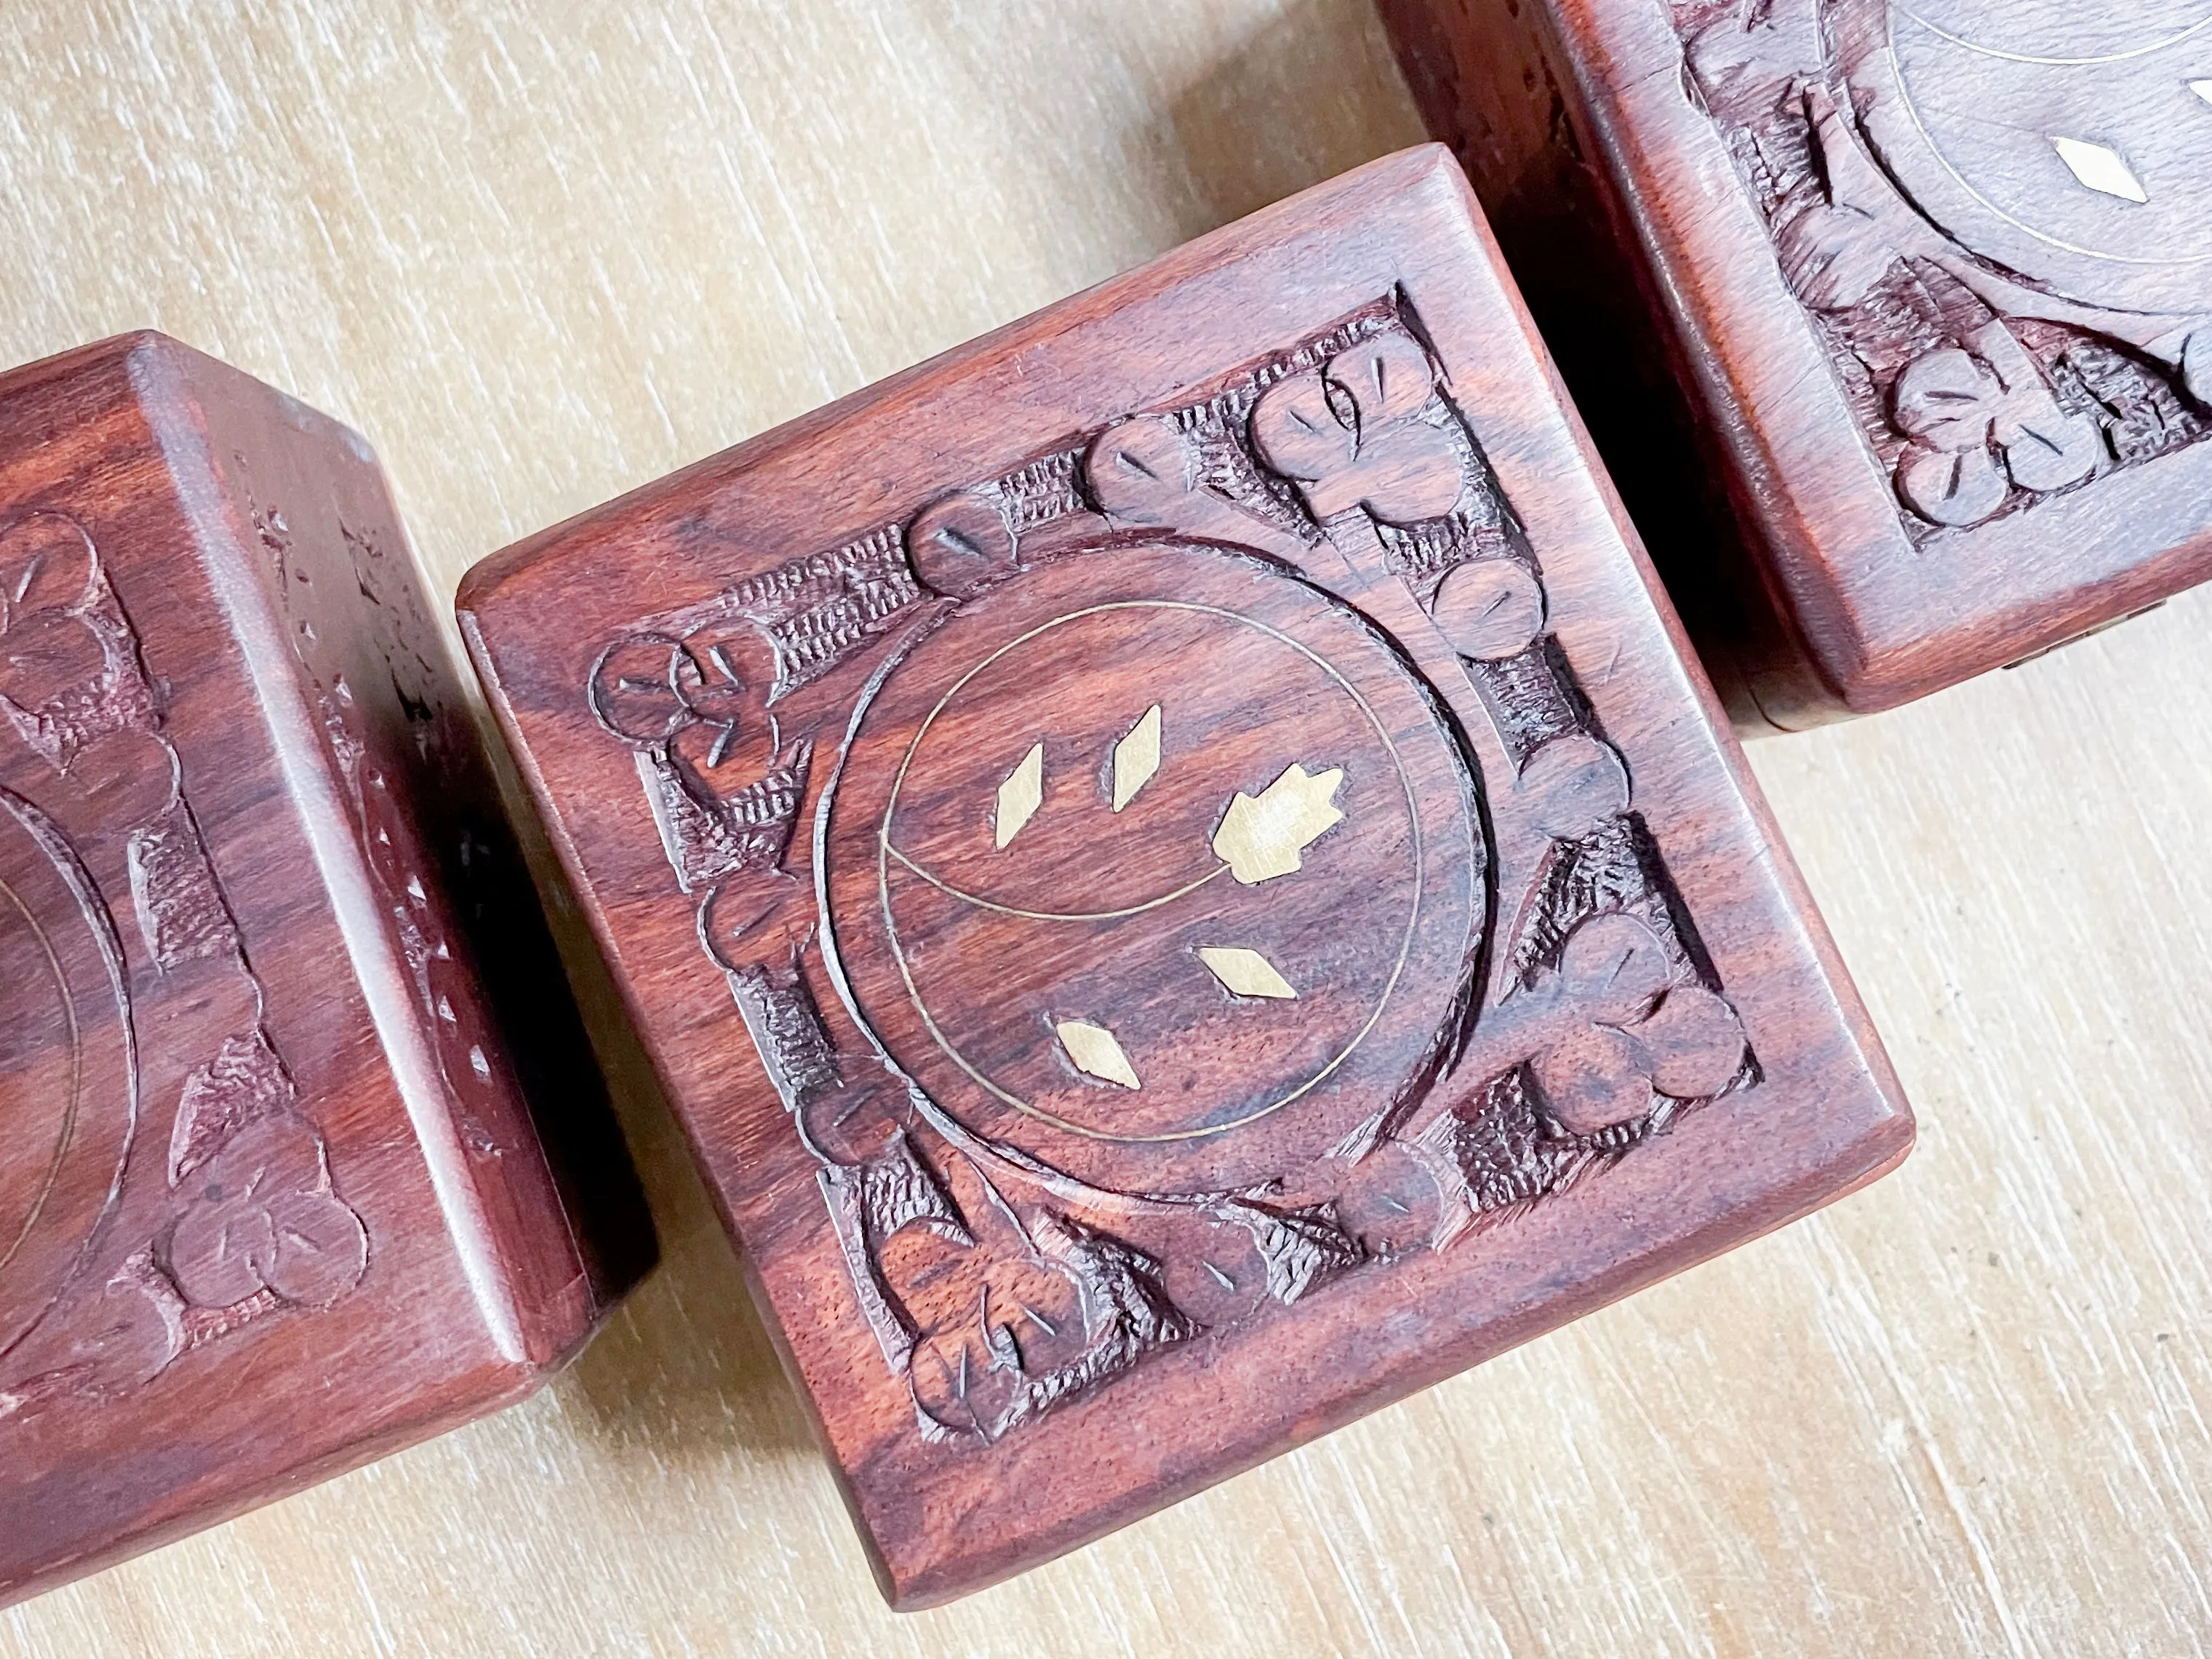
(1834, 257)
(1746, 61)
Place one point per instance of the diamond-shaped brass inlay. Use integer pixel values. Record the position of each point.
(1019, 797)
(1096, 1052)
(1136, 757)
(1244, 973)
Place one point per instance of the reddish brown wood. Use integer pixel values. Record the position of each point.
(1096, 1128)
(1897, 392)
(272, 1200)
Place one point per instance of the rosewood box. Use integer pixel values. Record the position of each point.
(291, 1087)
(1895, 318)
(1178, 870)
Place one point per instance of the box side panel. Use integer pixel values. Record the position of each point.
(515, 1075)
(225, 1263)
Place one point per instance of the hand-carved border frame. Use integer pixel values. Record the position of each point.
(1592, 1020)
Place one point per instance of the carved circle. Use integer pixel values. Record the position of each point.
(960, 543)
(68, 1077)
(1490, 610)
(1966, 105)
(972, 950)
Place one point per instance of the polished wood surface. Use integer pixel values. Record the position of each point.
(1177, 878)
(279, 1193)
(1905, 306)
(1960, 1413)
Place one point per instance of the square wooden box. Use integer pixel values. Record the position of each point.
(1180, 875)
(272, 1199)
(1894, 319)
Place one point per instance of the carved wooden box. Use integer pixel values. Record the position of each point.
(1179, 875)
(271, 1200)
(1923, 290)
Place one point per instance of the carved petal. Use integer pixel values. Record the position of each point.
(1141, 470)
(1389, 377)
(1614, 968)
(1593, 1079)
(1834, 257)
(959, 542)
(45, 564)
(219, 1252)
(1490, 609)
(1947, 399)
(1574, 785)
(1961, 489)
(317, 1250)
(1693, 1043)
(2052, 451)
(1296, 432)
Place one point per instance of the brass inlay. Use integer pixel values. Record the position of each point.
(1244, 972)
(1262, 835)
(1095, 1052)
(1136, 757)
(2102, 169)
(1019, 797)
(886, 851)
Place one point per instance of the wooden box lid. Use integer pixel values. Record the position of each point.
(1179, 874)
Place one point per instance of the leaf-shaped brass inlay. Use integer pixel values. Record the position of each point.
(2100, 168)
(1243, 972)
(1262, 835)
(1019, 797)
(1136, 757)
(1095, 1052)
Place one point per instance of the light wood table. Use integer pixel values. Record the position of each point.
(543, 250)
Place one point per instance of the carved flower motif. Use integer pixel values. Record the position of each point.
(1610, 1030)
(1967, 409)
(263, 1216)
(1354, 436)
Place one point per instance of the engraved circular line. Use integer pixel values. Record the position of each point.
(942, 886)
(1911, 109)
(76, 1071)
(913, 992)
(2196, 28)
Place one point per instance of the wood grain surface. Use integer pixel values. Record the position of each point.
(542, 253)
